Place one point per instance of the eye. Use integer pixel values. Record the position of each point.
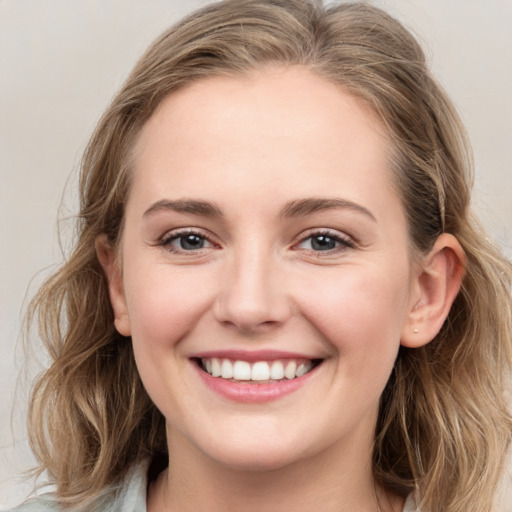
(325, 241)
(186, 241)
(320, 243)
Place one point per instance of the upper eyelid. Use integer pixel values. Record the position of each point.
(345, 241)
(304, 235)
(177, 232)
(174, 234)
(326, 231)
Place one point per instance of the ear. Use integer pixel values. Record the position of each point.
(108, 259)
(436, 285)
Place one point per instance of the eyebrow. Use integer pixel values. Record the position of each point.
(191, 206)
(297, 208)
(303, 207)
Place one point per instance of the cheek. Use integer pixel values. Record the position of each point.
(360, 313)
(165, 304)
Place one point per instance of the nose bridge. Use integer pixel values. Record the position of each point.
(251, 297)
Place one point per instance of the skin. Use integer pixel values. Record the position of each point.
(251, 148)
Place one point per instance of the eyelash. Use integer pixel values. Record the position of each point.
(167, 240)
(343, 242)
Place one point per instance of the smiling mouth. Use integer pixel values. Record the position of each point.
(258, 372)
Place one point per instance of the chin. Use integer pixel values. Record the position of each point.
(256, 462)
(257, 455)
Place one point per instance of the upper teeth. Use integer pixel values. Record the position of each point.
(258, 371)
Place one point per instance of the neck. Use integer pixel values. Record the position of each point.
(328, 481)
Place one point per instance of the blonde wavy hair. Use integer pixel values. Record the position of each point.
(443, 427)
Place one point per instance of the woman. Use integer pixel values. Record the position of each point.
(278, 299)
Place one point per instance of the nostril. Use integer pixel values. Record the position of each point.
(248, 326)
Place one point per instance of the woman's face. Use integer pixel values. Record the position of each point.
(264, 239)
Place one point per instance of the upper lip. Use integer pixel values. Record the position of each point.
(252, 355)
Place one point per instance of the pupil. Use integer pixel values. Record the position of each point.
(323, 243)
(191, 242)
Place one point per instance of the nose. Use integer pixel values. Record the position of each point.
(252, 296)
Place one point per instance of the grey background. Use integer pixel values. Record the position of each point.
(60, 63)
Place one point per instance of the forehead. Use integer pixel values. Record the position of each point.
(286, 129)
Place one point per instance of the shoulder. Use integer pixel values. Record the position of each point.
(410, 504)
(41, 504)
(133, 492)
(129, 496)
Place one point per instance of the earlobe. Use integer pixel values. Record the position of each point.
(437, 284)
(108, 259)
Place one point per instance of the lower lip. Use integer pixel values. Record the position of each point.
(250, 392)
